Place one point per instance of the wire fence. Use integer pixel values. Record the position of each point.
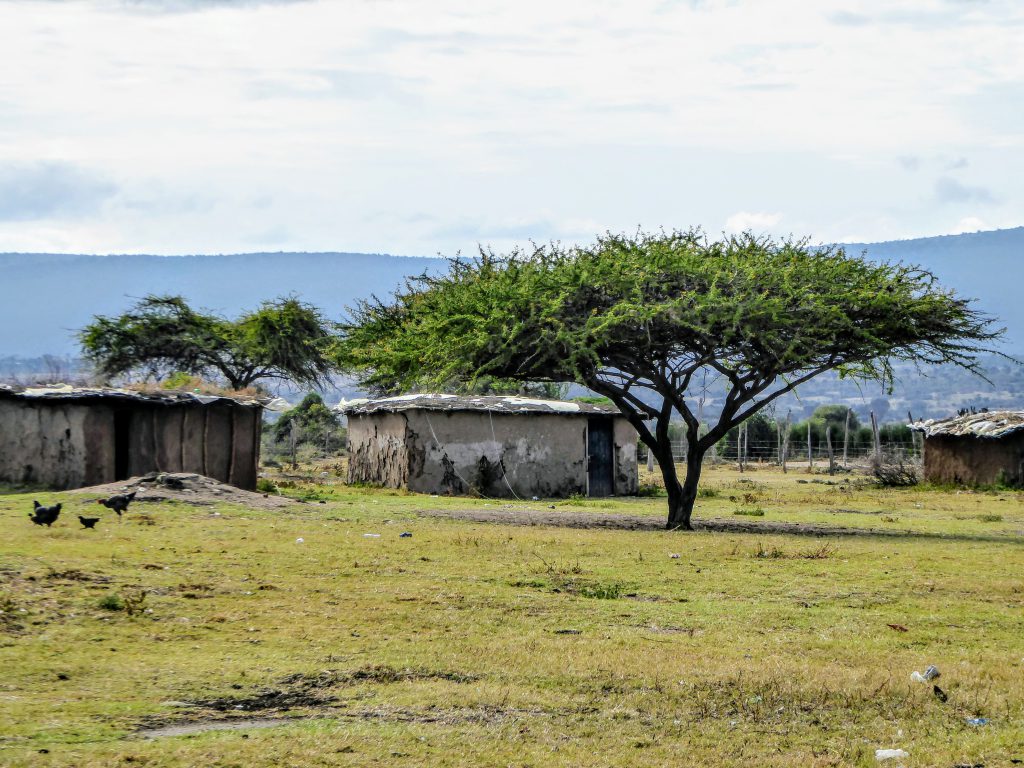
(768, 452)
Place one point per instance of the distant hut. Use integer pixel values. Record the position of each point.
(495, 446)
(975, 448)
(67, 437)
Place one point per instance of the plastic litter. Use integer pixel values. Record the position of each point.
(674, 555)
(890, 754)
(940, 694)
(299, 540)
(405, 535)
(977, 722)
(931, 673)
(371, 535)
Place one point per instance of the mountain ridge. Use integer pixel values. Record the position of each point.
(47, 296)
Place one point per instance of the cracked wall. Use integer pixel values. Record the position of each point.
(491, 454)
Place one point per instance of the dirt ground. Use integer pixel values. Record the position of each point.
(188, 488)
(510, 515)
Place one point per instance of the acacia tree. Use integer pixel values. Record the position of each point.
(657, 321)
(283, 339)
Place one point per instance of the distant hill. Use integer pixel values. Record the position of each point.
(987, 266)
(45, 297)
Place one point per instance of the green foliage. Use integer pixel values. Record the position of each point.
(312, 418)
(111, 602)
(755, 512)
(266, 485)
(664, 318)
(283, 339)
(600, 591)
(592, 400)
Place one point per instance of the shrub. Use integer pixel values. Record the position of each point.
(111, 602)
(896, 474)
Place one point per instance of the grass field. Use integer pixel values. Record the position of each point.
(487, 644)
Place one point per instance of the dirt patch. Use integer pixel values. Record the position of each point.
(311, 691)
(623, 522)
(486, 715)
(189, 489)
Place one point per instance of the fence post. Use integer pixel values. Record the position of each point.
(876, 440)
(810, 452)
(846, 439)
(831, 456)
(785, 441)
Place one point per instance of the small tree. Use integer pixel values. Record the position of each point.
(283, 339)
(658, 322)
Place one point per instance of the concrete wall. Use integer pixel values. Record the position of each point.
(68, 444)
(460, 452)
(974, 460)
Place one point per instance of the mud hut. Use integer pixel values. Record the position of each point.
(975, 448)
(67, 437)
(496, 446)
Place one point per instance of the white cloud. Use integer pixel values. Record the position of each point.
(504, 120)
(970, 224)
(755, 222)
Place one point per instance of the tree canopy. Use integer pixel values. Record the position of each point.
(283, 339)
(660, 323)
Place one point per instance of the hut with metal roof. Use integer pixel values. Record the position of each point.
(494, 446)
(974, 448)
(71, 437)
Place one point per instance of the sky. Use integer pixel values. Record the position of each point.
(423, 128)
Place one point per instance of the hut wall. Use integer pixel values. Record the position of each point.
(462, 451)
(625, 478)
(378, 450)
(68, 444)
(60, 445)
(974, 460)
(219, 440)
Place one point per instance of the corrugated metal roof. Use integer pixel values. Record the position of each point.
(489, 403)
(68, 392)
(987, 424)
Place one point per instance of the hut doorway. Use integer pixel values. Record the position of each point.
(122, 437)
(600, 465)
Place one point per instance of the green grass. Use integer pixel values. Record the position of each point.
(482, 644)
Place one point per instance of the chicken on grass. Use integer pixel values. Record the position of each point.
(44, 515)
(118, 503)
(88, 522)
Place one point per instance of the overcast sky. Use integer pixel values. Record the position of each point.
(413, 127)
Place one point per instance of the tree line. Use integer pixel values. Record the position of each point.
(656, 322)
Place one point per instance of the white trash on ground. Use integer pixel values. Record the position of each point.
(890, 754)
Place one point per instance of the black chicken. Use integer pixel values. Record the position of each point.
(44, 515)
(88, 522)
(118, 503)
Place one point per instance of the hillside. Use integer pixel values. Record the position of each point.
(46, 296)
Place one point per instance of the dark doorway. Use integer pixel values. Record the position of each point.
(122, 435)
(600, 465)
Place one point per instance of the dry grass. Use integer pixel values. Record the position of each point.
(481, 644)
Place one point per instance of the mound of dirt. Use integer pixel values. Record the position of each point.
(188, 488)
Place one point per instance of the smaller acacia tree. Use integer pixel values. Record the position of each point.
(282, 339)
(657, 322)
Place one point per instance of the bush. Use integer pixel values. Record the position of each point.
(898, 474)
(111, 602)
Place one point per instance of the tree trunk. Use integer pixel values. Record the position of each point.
(681, 497)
